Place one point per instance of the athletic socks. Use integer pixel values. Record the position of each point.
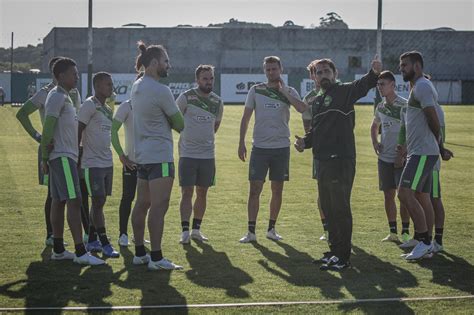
(80, 249)
(252, 226)
(393, 226)
(271, 224)
(58, 245)
(405, 227)
(439, 235)
(92, 234)
(140, 250)
(156, 255)
(197, 224)
(185, 226)
(325, 224)
(103, 236)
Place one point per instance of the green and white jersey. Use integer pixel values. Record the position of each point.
(388, 116)
(96, 137)
(39, 99)
(200, 116)
(152, 104)
(272, 114)
(442, 123)
(60, 105)
(309, 99)
(420, 139)
(124, 114)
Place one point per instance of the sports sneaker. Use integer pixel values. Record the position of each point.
(249, 237)
(123, 240)
(109, 251)
(419, 251)
(185, 238)
(340, 265)
(62, 256)
(392, 237)
(141, 260)
(94, 247)
(331, 261)
(324, 237)
(163, 264)
(273, 235)
(411, 243)
(324, 259)
(88, 259)
(198, 236)
(405, 237)
(437, 247)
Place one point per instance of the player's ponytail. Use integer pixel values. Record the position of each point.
(147, 54)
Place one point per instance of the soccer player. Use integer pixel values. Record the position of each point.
(155, 113)
(202, 110)
(424, 145)
(37, 102)
(124, 115)
(271, 145)
(332, 140)
(60, 128)
(390, 161)
(95, 125)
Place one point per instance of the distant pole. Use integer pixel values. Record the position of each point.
(378, 98)
(89, 52)
(11, 71)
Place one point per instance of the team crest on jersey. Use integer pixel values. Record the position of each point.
(327, 100)
(272, 105)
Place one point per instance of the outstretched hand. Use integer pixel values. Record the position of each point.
(299, 144)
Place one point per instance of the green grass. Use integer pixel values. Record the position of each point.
(225, 271)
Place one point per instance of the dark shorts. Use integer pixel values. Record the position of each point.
(43, 178)
(64, 179)
(99, 181)
(418, 172)
(316, 169)
(155, 170)
(436, 186)
(275, 160)
(389, 176)
(197, 172)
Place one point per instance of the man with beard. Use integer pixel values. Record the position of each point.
(271, 145)
(202, 110)
(333, 143)
(424, 145)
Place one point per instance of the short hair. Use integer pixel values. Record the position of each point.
(62, 65)
(272, 59)
(202, 68)
(414, 56)
(326, 61)
(388, 75)
(52, 61)
(147, 54)
(99, 76)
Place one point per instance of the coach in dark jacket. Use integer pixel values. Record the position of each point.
(332, 139)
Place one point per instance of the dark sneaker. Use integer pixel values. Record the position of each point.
(324, 259)
(327, 266)
(340, 265)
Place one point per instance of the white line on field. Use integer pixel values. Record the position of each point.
(142, 307)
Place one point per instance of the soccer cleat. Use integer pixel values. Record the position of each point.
(185, 238)
(419, 251)
(198, 236)
(94, 247)
(340, 265)
(331, 261)
(437, 247)
(273, 235)
(324, 259)
(392, 237)
(141, 260)
(163, 264)
(109, 251)
(249, 237)
(88, 259)
(405, 237)
(324, 237)
(411, 243)
(62, 256)
(123, 240)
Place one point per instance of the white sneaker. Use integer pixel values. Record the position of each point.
(88, 259)
(419, 251)
(66, 255)
(437, 248)
(185, 238)
(249, 237)
(123, 240)
(411, 243)
(273, 235)
(142, 260)
(163, 264)
(198, 236)
(392, 237)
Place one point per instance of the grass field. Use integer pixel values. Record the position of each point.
(224, 271)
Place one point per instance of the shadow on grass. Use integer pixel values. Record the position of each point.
(213, 269)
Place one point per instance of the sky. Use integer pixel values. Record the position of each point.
(31, 20)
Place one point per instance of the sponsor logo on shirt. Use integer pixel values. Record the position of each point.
(272, 105)
(201, 118)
